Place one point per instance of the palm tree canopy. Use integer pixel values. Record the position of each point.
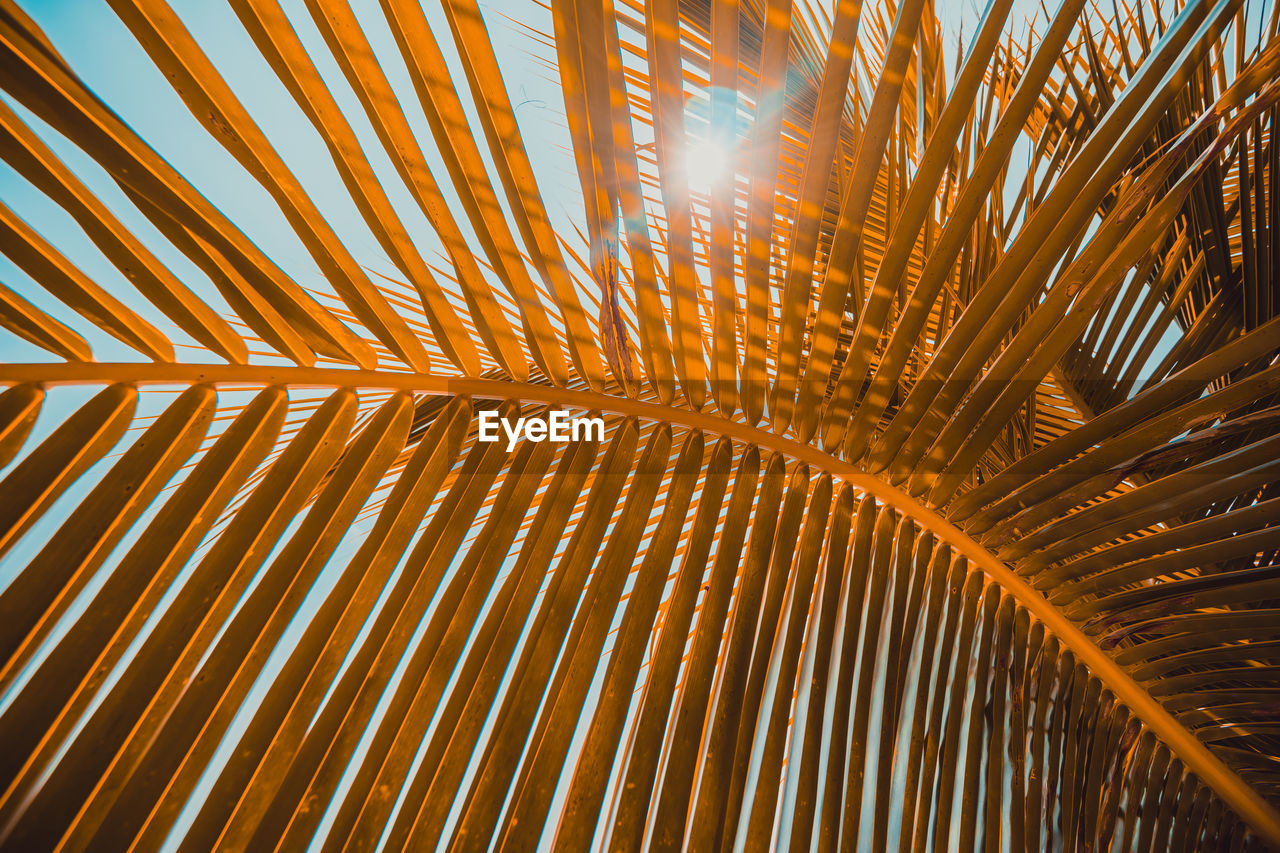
(936, 503)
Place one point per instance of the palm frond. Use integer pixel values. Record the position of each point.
(936, 506)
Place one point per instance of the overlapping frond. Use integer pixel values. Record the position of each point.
(937, 502)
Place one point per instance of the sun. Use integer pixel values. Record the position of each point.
(708, 163)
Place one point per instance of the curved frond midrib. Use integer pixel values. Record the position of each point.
(1198, 758)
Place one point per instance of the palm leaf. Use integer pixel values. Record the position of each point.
(936, 506)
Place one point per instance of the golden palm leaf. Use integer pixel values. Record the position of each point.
(936, 505)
